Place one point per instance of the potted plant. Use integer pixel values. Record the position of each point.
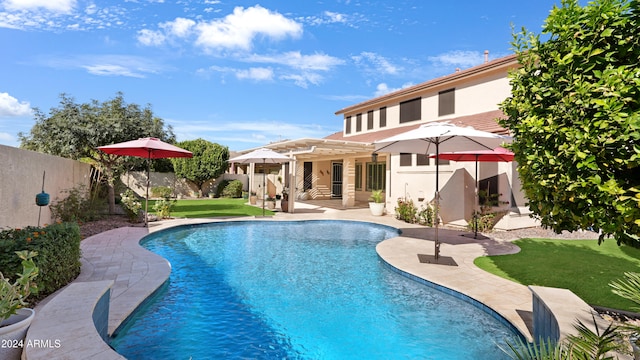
(15, 319)
(253, 198)
(284, 203)
(376, 202)
(270, 202)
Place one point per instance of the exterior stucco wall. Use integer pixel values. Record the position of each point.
(473, 96)
(456, 181)
(480, 95)
(137, 181)
(21, 179)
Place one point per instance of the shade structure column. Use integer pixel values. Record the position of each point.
(348, 182)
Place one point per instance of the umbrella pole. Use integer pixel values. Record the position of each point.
(264, 175)
(146, 201)
(477, 200)
(436, 219)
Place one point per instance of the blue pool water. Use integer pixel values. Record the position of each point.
(297, 290)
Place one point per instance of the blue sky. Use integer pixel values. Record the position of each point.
(241, 73)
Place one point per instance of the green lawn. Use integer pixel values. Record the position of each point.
(582, 266)
(206, 208)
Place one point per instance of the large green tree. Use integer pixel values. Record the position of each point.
(75, 130)
(209, 161)
(575, 116)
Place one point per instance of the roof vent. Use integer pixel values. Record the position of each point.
(486, 56)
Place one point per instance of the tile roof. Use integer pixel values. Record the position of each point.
(484, 121)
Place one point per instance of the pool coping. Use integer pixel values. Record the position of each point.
(137, 273)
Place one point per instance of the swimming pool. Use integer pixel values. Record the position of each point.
(297, 290)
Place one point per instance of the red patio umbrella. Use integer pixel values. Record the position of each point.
(498, 154)
(148, 148)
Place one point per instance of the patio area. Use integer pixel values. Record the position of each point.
(115, 259)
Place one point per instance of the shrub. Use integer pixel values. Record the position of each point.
(485, 222)
(58, 248)
(163, 208)
(406, 210)
(221, 186)
(131, 205)
(76, 206)
(233, 189)
(425, 215)
(164, 192)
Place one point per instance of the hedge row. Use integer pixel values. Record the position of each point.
(58, 259)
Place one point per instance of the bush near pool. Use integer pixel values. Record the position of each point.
(58, 258)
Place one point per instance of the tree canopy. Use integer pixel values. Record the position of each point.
(75, 130)
(574, 113)
(209, 161)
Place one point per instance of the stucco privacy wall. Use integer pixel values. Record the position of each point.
(21, 179)
(137, 181)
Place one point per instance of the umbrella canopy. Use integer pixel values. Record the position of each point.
(263, 156)
(498, 154)
(436, 137)
(148, 148)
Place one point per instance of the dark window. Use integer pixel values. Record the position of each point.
(308, 176)
(488, 191)
(446, 102)
(376, 176)
(358, 122)
(383, 117)
(358, 176)
(422, 159)
(405, 159)
(369, 119)
(410, 110)
(347, 127)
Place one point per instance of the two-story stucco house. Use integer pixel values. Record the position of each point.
(341, 166)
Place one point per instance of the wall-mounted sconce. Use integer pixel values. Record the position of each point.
(374, 157)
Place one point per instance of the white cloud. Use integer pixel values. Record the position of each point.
(7, 139)
(298, 61)
(239, 29)
(151, 38)
(383, 89)
(180, 27)
(61, 15)
(236, 31)
(328, 17)
(336, 17)
(112, 70)
(459, 58)
(247, 132)
(59, 6)
(12, 107)
(258, 74)
(107, 65)
(304, 79)
(373, 62)
(307, 65)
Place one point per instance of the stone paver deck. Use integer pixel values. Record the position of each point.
(136, 273)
